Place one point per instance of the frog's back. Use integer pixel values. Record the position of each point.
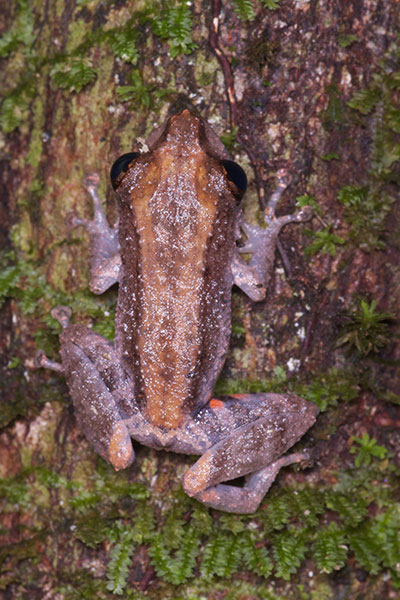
(177, 233)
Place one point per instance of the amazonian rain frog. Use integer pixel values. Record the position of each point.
(173, 252)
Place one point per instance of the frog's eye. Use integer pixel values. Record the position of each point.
(121, 165)
(236, 175)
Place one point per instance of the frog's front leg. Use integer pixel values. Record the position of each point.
(105, 259)
(253, 277)
(102, 393)
(249, 433)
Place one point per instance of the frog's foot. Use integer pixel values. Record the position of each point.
(42, 362)
(248, 434)
(105, 260)
(62, 314)
(253, 278)
(275, 223)
(283, 180)
(104, 273)
(246, 500)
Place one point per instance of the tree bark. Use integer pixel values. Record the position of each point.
(316, 92)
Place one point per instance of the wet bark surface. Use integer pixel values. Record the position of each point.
(316, 91)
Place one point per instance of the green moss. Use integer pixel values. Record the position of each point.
(368, 204)
(73, 74)
(324, 241)
(345, 40)
(137, 91)
(332, 523)
(330, 156)
(120, 559)
(23, 280)
(178, 568)
(326, 389)
(36, 139)
(73, 70)
(330, 550)
(205, 69)
(18, 41)
(229, 139)
(365, 100)
(174, 24)
(335, 113)
(245, 9)
(24, 550)
(365, 329)
(255, 556)
(14, 493)
(367, 450)
(21, 32)
(271, 4)
(14, 108)
(307, 200)
(366, 210)
(123, 44)
(77, 34)
(289, 549)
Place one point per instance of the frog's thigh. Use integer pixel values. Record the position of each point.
(260, 428)
(99, 392)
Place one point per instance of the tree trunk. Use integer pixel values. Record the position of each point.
(315, 91)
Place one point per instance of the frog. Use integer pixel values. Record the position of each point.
(175, 253)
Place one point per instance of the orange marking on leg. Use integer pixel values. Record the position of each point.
(214, 403)
(239, 396)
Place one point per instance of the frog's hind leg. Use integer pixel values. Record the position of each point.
(249, 434)
(101, 392)
(246, 500)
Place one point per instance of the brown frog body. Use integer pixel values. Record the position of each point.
(173, 252)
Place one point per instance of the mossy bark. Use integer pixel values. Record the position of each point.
(295, 70)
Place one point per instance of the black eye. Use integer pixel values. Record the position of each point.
(121, 164)
(236, 175)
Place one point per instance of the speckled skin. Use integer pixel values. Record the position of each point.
(174, 255)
